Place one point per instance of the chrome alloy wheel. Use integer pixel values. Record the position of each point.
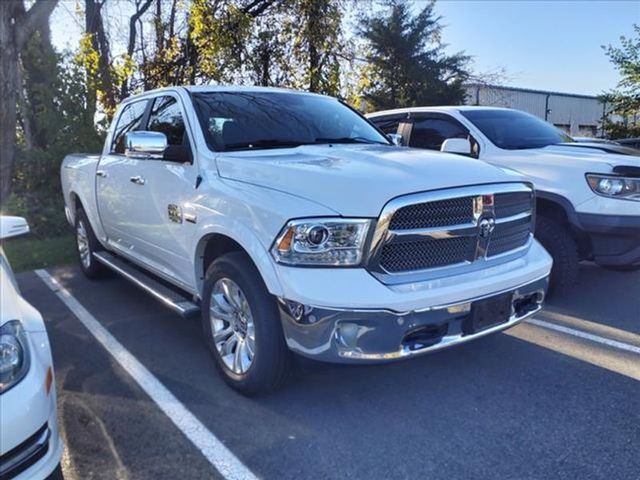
(232, 325)
(83, 245)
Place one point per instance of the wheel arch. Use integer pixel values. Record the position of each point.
(561, 210)
(556, 207)
(73, 205)
(213, 244)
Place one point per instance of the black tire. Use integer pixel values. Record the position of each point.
(56, 474)
(89, 265)
(622, 268)
(557, 240)
(271, 361)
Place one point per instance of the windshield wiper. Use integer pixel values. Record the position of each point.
(349, 140)
(262, 143)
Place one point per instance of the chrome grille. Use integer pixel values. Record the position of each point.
(420, 235)
(453, 211)
(509, 236)
(512, 203)
(427, 253)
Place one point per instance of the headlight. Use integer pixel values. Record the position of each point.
(333, 242)
(615, 187)
(14, 354)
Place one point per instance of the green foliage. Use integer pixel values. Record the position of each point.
(315, 27)
(287, 43)
(625, 99)
(63, 123)
(41, 81)
(219, 30)
(28, 253)
(617, 130)
(407, 65)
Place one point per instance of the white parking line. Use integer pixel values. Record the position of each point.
(211, 447)
(587, 336)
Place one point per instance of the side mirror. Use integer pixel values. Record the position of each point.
(12, 227)
(396, 139)
(461, 146)
(143, 144)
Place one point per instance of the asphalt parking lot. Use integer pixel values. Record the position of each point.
(555, 398)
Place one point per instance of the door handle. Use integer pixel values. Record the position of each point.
(101, 173)
(138, 180)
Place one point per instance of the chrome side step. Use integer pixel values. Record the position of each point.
(170, 298)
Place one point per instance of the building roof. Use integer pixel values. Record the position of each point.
(530, 90)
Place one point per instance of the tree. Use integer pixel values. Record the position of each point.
(95, 54)
(316, 30)
(407, 64)
(625, 99)
(16, 27)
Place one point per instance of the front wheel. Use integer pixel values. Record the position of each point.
(242, 326)
(622, 268)
(557, 240)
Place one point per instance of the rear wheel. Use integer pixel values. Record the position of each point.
(87, 244)
(242, 326)
(557, 240)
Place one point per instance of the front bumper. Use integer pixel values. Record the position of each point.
(30, 445)
(372, 336)
(615, 239)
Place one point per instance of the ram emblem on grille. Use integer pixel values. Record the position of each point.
(487, 226)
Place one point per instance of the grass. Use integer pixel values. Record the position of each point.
(29, 253)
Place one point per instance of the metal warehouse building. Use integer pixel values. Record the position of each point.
(578, 115)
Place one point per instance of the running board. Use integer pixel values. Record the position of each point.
(170, 298)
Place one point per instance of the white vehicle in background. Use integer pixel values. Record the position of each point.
(588, 194)
(288, 222)
(30, 447)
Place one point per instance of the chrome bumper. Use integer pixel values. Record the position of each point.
(373, 336)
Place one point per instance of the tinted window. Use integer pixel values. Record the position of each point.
(166, 117)
(388, 124)
(432, 132)
(130, 119)
(513, 130)
(252, 120)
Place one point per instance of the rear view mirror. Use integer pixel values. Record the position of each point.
(12, 227)
(143, 144)
(395, 138)
(461, 146)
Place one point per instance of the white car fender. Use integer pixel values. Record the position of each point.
(246, 238)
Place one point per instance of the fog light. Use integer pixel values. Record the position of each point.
(347, 335)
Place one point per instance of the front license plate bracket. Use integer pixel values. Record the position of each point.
(488, 313)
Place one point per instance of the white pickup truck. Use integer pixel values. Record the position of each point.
(588, 194)
(290, 223)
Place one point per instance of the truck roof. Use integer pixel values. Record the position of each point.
(218, 88)
(446, 108)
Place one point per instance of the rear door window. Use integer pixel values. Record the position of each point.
(130, 119)
(389, 123)
(431, 132)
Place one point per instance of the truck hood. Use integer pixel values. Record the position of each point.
(592, 157)
(356, 180)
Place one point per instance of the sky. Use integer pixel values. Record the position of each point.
(546, 45)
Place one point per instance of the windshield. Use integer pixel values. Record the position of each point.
(515, 130)
(255, 120)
